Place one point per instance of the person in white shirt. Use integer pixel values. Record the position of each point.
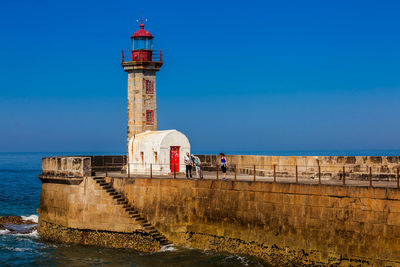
(188, 162)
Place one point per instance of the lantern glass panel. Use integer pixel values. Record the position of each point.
(142, 43)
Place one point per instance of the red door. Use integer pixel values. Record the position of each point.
(174, 158)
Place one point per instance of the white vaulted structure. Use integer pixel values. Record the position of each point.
(162, 151)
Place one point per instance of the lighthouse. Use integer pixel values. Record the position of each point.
(141, 63)
(149, 150)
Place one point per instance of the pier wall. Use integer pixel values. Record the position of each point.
(81, 212)
(83, 206)
(301, 223)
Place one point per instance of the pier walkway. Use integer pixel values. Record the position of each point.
(208, 175)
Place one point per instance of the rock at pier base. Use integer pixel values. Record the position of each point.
(14, 220)
(138, 240)
(17, 225)
(274, 255)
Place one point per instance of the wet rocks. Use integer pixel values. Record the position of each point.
(16, 225)
(139, 240)
(14, 220)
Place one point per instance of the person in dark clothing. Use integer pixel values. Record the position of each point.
(224, 165)
(188, 163)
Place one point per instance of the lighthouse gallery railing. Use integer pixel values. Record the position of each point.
(128, 55)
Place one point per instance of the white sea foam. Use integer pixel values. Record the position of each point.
(3, 232)
(167, 248)
(19, 249)
(243, 260)
(34, 218)
(33, 234)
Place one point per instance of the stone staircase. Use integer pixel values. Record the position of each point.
(119, 199)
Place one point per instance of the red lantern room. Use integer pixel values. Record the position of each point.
(142, 49)
(142, 45)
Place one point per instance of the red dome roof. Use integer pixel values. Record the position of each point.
(142, 32)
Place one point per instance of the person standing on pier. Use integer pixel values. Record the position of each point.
(188, 163)
(224, 165)
(196, 164)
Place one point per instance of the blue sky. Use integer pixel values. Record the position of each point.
(238, 76)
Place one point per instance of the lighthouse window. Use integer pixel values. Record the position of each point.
(149, 116)
(143, 43)
(140, 43)
(149, 87)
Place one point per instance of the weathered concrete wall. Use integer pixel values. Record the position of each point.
(286, 223)
(66, 166)
(83, 206)
(80, 166)
(357, 167)
(85, 214)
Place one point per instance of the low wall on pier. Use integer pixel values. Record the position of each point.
(356, 167)
(80, 166)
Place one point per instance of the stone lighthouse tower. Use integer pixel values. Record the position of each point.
(141, 63)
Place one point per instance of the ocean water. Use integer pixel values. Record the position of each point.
(20, 196)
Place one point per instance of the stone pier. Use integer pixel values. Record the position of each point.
(283, 223)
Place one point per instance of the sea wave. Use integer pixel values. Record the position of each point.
(19, 249)
(34, 218)
(167, 248)
(33, 234)
(242, 259)
(3, 232)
